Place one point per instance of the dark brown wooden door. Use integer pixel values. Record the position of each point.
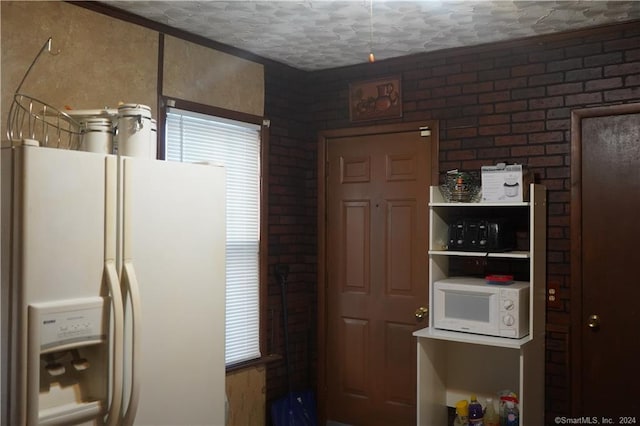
(607, 325)
(376, 266)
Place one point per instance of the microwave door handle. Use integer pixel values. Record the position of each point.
(131, 282)
(113, 415)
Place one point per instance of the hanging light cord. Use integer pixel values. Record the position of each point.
(372, 58)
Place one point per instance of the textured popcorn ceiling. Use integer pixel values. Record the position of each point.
(319, 34)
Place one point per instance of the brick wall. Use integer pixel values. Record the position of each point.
(500, 102)
(291, 229)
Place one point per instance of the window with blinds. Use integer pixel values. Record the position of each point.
(194, 137)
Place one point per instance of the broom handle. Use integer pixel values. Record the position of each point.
(285, 318)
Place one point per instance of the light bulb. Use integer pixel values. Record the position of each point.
(372, 58)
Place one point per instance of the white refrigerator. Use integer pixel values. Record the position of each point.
(113, 277)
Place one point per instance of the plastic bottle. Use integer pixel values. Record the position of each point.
(512, 415)
(476, 416)
(462, 413)
(504, 396)
(491, 417)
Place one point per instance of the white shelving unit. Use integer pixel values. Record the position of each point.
(453, 365)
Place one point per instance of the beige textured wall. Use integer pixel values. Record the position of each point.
(196, 73)
(102, 61)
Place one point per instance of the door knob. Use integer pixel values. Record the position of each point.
(593, 322)
(421, 312)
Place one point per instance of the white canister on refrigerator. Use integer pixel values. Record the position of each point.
(97, 135)
(134, 130)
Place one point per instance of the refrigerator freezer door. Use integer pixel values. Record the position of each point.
(59, 215)
(174, 248)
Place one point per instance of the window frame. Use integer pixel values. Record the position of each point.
(167, 102)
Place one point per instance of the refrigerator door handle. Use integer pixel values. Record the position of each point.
(113, 283)
(131, 282)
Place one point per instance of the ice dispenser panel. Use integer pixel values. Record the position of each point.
(68, 348)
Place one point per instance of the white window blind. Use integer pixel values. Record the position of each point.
(192, 137)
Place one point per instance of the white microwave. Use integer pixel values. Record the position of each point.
(471, 305)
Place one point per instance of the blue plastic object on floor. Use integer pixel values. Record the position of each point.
(295, 409)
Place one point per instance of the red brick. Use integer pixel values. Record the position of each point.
(511, 106)
(493, 97)
(603, 84)
(432, 103)
(584, 49)
(622, 94)
(622, 44)
(622, 69)
(461, 155)
(632, 55)
(431, 82)
(512, 83)
(511, 140)
(632, 80)
(544, 79)
(530, 92)
(449, 145)
(583, 74)
(473, 164)
(583, 99)
(492, 75)
(468, 132)
(479, 142)
(462, 100)
(477, 65)
(545, 103)
(495, 130)
(559, 113)
(493, 153)
(446, 69)
(558, 172)
(528, 127)
(558, 124)
(528, 116)
(486, 86)
(494, 119)
(558, 148)
(560, 319)
(527, 150)
(446, 91)
(511, 60)
(546, 137)
(477, 110)
(469, 77)
(567, 64)
(547, 55)
(524, 70)
(563, 89)
(461, 122)
(416, 74)
(605, 59)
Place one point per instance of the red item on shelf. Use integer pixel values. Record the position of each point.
(499, 279)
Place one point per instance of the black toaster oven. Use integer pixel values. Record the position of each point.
(477, 234)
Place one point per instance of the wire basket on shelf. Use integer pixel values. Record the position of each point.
(30, 118)
(461, 187)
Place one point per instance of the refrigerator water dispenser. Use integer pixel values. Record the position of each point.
(68, 356)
